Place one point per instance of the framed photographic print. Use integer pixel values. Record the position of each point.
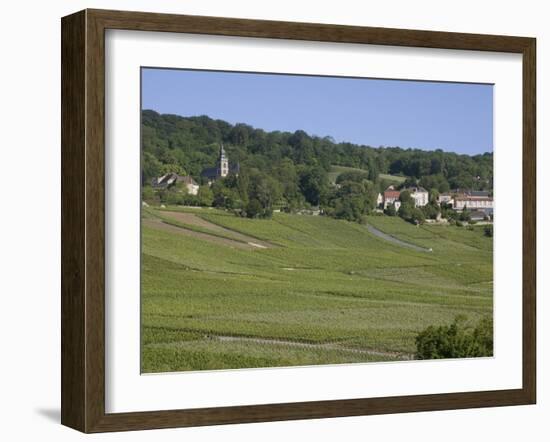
(269, 220)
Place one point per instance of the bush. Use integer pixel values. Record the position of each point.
(430, 210)
(254, 209)
(488, 231)
(457, 340)
(390, 210)
(464, 215)
(417, 216)
(147, 193)
(172, 197)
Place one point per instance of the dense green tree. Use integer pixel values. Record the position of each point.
(417, 216)
(150, 167)
(264, 190)
(457, 340)
(437, 182)
(406, 198)
(285, 172)
(390, 210)
(406, 210)
(434, 195)
(254, 209)
(205, 196)
(313, 182)
(225, 196)
(430, 210)
(465, 215)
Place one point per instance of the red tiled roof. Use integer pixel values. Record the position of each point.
(391, 194)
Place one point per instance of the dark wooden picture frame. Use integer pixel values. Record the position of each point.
(83, 220)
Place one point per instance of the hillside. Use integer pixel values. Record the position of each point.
(317, 291)
(191, 143)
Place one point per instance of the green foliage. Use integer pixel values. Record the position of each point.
(313, 182)
(352, 200)
(254, 209)
(434, 195)
(147, 193)
(263, 192)
(205, 196)
(418, 216)
(405, 210)
(354, 176)
(390, 210)
(430, 210)
(172, 196)
(435, 182)
(458, 340)
(406, 198)
(465, 215)
(225, 197)
(150, 167)
(171, 168)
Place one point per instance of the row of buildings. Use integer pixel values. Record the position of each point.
(459, 199)
(468, 199)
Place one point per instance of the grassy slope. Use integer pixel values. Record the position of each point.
(337, 170)
(330, 282)
(394, 178)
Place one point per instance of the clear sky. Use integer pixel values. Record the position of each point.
(455, 117)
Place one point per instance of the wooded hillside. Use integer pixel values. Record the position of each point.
(291, 169)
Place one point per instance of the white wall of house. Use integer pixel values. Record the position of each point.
(447, 199)
(420, 198)
(389, 201)
(473, 204)
(192, 189)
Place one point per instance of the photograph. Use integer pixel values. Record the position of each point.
(302, 220)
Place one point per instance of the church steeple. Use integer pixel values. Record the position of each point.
(223, 163)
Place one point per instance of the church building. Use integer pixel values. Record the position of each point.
(222, 168)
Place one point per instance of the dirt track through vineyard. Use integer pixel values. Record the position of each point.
(240, 241)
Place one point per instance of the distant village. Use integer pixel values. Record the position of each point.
(477, 204)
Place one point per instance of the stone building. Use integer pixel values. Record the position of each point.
(222, 169)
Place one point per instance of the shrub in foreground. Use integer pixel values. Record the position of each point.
(458, 340)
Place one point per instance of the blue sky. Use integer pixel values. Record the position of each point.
(455, 117)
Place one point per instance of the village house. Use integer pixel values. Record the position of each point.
(445, 198)
(474, 200)
(420, 196)
(222, 168)
(171, 179)
(391, 196)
